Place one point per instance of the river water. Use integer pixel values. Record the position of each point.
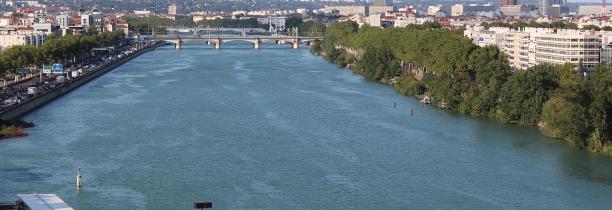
(283, 129)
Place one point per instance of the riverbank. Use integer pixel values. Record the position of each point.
(461, 77)
(19, 109)
(315, 138)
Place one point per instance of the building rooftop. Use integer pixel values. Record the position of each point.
(44, 202)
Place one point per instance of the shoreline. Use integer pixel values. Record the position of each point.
(542, 129)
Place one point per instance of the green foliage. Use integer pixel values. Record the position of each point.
(522, 96)
(600, 108)
(293, 21)
(55, 49)
(591, 27)
(565, 119)
(312, 28)
(380, 64)
(308, 28)
(409, 86)
(14, 128)
(316, 47)
(425, 25)
(479, 81)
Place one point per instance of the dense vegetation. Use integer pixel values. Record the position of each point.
(56, 49)
(14, 128)
(465, 78)
(308, 28)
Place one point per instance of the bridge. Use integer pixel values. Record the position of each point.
(219, 39)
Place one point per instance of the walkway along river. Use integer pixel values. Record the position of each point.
(283, 129)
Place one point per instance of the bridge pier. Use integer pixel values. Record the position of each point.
(257, 44)
(179, 44)
(295, 44)
(218, 44)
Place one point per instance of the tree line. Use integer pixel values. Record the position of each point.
(465, 78)
(55, 50)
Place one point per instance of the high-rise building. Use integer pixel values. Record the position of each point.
(545, 6)
(381, 2)
(172, 9)
(507, 2)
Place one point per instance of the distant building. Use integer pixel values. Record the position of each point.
(595, 10)
(178, 17)
(546, 7)
(433, 9)
(382, 2)
(507, 2)
(63, 21)
(605, 55)
(15, 39)
(522, 10)
(375, 20)
(172, 9)
(471, 9)
(274, 23)
(6, 21)
(372, 10)
(143, 13)
(45, 28)
(87, 20)
(347, 10)
(557, 10)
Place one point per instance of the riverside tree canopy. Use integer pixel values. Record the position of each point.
(479, 81)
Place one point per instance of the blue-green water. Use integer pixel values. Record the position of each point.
(282, 129)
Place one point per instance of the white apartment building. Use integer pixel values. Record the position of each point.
(15, 39)
(573, 47)
(63, 21)
(532, 46)
(433, 10)
(520, 49)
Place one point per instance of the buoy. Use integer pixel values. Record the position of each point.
(394, 104)
(78, 178)
(411, 112)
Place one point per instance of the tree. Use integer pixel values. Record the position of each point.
(381, 64)
(565, 119)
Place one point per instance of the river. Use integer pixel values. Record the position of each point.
(283, 129)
